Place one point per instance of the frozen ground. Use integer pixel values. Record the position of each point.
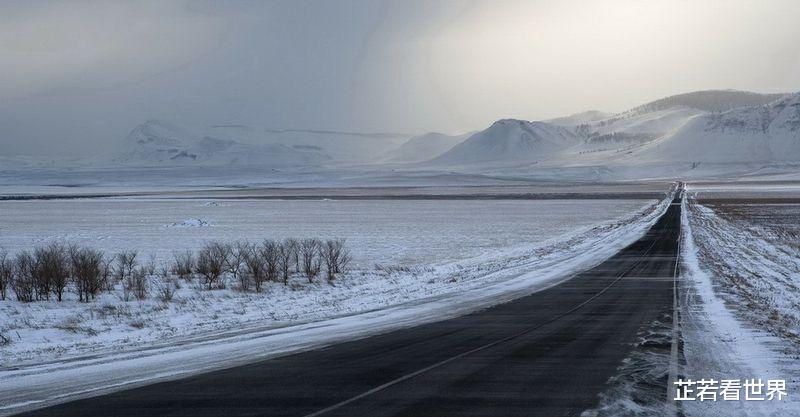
(388, 232)
(740, 299)
(111, 343)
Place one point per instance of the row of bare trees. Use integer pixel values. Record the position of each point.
(48, 271)
(253, 264)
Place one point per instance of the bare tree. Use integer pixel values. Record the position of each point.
(126, 262)
(184, 264)
(335, 256)
(135, 284)
(309, 249)
(51, 270)
(24, 282)
(89, 272)
(107, 272)
(286, 255)
(294, 248)
(211, 262)
(235, 260)
(270, 256)
(6, 273)
(254, 267)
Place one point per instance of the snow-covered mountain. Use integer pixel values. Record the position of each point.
(424, 147)
(768, 133)
(160, 143)
(340, 147)
(709, 101)
(509, 141)
(667, 137)
(702, 134)
(661, 117)
(579, 118)
(163, 143)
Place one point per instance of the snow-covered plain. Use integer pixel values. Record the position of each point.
(740, 300)
(112, 343)
(389, 232)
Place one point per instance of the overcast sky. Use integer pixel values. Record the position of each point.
(78, 76)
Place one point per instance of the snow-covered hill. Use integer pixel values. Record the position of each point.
(767, 133)
(709, 101)
(156, 143)
(162, 143)
(701, 134)
(664, 116)
(424, 147)
(340, 147)
(579, 118)
(684, 135)
(509, 141)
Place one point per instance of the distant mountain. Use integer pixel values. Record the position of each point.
(661, 117)
(163, 143)
(718, 131)
(700, 134)
(709, 101)
(340, 147)
(766, 133)
(509, 141)
(423, 147)
(160, 143)
(579, 118)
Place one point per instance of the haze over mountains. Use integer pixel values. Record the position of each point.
(703, 133)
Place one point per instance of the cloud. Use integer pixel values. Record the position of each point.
(65, 47)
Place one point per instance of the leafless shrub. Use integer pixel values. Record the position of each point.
(4, 340)
(150, 264)
(72, 324)
(184, 264)
(137, 324)
(311, 263)
(255, 269)
(126, 262)
(287, 251)
(89, 272)
(235, 261)
(163, 271)
(135, 284)
(166, 290)
(24, 282)
(335, 256)
(270, 256)
(107, 272)
(211, 262)
(294, 248)
(6, 273)
(51, 267)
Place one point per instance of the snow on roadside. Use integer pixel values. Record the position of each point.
(722, 340)
(140, 342)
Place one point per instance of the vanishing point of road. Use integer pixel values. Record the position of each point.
(548, 354)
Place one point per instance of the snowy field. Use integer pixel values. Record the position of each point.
(742, 294)
(388, 232)
(403, 250)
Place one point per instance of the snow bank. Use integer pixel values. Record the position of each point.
(718, 342)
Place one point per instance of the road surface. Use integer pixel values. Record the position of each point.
(548, 354)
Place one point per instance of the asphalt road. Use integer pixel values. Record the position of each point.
(547, 354)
